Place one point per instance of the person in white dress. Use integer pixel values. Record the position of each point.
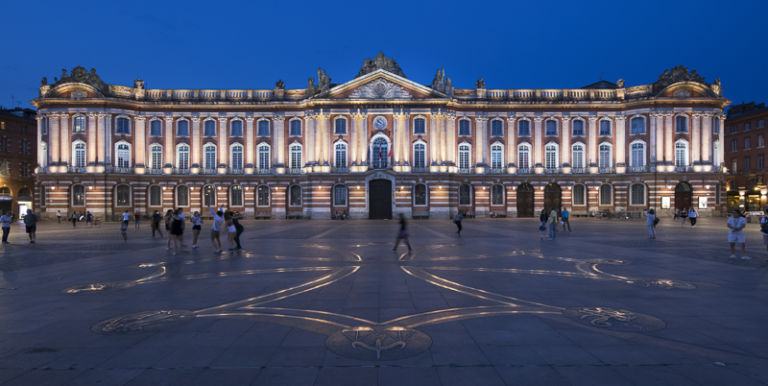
(736, 224)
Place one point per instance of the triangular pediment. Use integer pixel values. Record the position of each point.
(381, 85)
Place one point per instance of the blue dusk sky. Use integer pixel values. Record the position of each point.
(252, 44)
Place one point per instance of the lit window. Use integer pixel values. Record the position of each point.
(123, 156)
(156, 156)
(78, 155)
(296, 156)
(78, 124)
(419, 155)
(340, 155)
(681, 153)
(463, 156)
(263, 196)
(123, 195)
(78, 195)
(340, 195)
(209, 196)
(264, 156)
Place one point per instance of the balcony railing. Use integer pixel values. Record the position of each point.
(524, 170)
(180, 171)
(264, 171)
(155, 171)
(497, 170)
(339, 170)
(606, 170)
(552, 170)
(683, 169)
(76, 169)
(295, 171)
(419, 170)
(638, 169)
(579, 170)
(465, 171)
(209, 171)
(117, 169)
(235, 171)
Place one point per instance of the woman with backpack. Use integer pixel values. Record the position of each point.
(650, 222)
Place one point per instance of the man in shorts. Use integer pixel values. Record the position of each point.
(30, 220)
(736, 224)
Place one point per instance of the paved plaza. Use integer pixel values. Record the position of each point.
(329, 303)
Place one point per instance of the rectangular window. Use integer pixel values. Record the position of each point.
(760, 162)
(155, 194)
(341, 126)
(237, 129)
(524, 128)
(578, 128)
(419, 126)
(497, 128)
(747, 126)
(637, 125)
(296, 128)
(734, 145)
(746, 164)
(734, 163)
(761, 124)
(551, 128)
(263, 128)
(578, 195)
(716, 128)
(747, 143)
(155, 128)
(760, 141)
(464, 127)
(605, 127)
(340, 195)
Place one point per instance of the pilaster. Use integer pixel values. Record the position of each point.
(695, 141)
(250, 147)
(538, 140)
(194, 148)
(511, 144)
(565, 144)
(278, 132)
(170, 159)
(64, 138)
(139, 145)
(592, 144)
(621, 143)
(91, 141)
(223, 145)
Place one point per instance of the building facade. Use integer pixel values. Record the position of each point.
(18, 137)
(745, 136)
(381, 144)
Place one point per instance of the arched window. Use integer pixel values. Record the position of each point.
(123, 195)
(236, 196)
(464, 156)
(340, 126)
(464, 127)
(155, 196)
(637, 154)
(209, 156)
(294, 193)
(681, 153)
(209, 196)
(419, 126)
(340, 195)
(262, 194)
(182, 128)
(340, 155)
(524, 128)
(122, 155)
(296, 156)
(263, 128)
(605, 155)
(78, 154)
(182, 195)
(579, 195)
(380, 153)
(524, 156)
(264, 156)
(295, 127)
(236, 128)
(497, 160)
(605, 128)
(156, 156)
(123, 126)
(155, 128)
(550, 129)
(637, 195)
(25, 194)
(497, 128)
(236, 156)
(78, 195)
(209, 128)
(606, 194)
(497, 194)
(637, 125)
(578, 128)
(550, 156)
(681, 124)
(182, 156)
(577, 156)
(419, 155)
(78, 124)
(465, 194)
(420, 195)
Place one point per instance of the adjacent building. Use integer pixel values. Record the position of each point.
(381, 144)
(18, 144)
(745, 136)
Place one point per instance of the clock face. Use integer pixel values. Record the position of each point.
(380, 122)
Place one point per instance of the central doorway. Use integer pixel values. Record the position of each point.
(380, 199)
(552, 198)
(525, 200)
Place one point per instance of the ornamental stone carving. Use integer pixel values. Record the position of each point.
(380, 62)
(380, 89)
(677, 74)
(81, 75)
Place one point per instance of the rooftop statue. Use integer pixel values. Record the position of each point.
(81, 75)
(437, 82)
(480, 83)
(280, 85)
(380, 62)
(323, 80)
(677, 74)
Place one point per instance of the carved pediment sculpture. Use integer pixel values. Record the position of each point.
(80, 75)
(380, 62)
(380, 89)
(677, 74)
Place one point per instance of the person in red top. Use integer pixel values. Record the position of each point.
(136, 219)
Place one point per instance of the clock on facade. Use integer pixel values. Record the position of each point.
(380, 122)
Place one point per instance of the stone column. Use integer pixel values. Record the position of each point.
(482, 131)
(402, 141)
(433, 157)
(565, 141)
(706, 139)
(40, 154)
(538, 139)
(592, 142)
(223, 143)
(450, 136)
(669, 146)
(278, 129)
(323, 138)
(511, 143)
(695, 139)
(354, 124)
(194, 147)
(107, 139)
(54, 144)
(721, 141)
(653, 139)
(310, 139)
(101, 134)
(443, 130)
(621, 143)
(139, 144)
(92, 139)
(364, 138)
(250, 147)
(64, 138)
(169, 148)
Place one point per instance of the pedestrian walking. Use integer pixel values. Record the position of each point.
(543, 218)
(177, 229)
(676, 214)
(74, 219)
(552, 224)
(157, 218)
(124, 231)
(564, 219)
(693, 215)
(218, 224)
(764, 229)
(197, 225)
(168, 219)
(231, 230)
(650, 222)
(736, 224)
(457, 220)
(58, 216)
(683, 216)
(402, 234)
(30, 221)
(136, 219)
(88, 218)
(239, 229)
(126, 216)
(5, 222)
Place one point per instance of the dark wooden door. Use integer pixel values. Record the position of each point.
(525, 200)
(683, 196)
(380, 199)
(552, 198)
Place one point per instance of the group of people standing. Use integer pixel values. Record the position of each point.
(550, 221)
(683, 214)
(30, 225)
(175, 223)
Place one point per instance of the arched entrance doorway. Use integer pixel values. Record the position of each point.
(525, 200)
(683, 196)
(552, 197)
(380, 199)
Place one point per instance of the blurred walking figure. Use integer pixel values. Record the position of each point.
(693, 215)
(543, 226)
(124, 231)
(58, 216)
(30, 220)
(177, 229)
(552, 224)
(218, 223)
(136, 219)
(168, 220)
(197, 225)
(74, 219)
(5, 221)
(564, 215)
(402, 234)
(736, 224)
(88, 218)
(238, 229)
(457, 220)
(650, 223)
(683, 216)
(764, 228)
(157, 218)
